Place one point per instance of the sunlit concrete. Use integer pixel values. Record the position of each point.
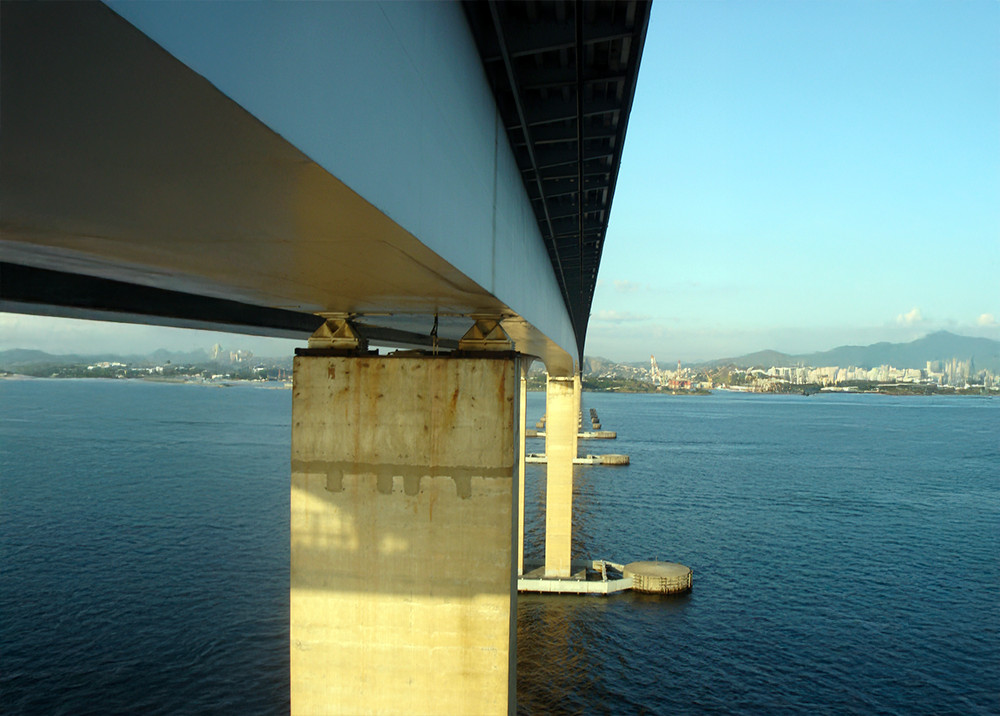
(403, 580)
(560, 449)
(578, 401)
(521, 454)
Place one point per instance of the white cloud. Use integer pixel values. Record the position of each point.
(987, 320)
(912, 318)
(626, 286)
(617, 316)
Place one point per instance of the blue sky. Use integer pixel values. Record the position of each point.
(800, 175)
(796, 176)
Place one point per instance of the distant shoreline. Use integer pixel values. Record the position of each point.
(945, 391)
(228, 382)
(916, 390)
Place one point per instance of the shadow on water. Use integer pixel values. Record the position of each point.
(582, 654)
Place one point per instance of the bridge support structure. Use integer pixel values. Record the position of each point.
(562, 406)
(403, 513)
(522, 421)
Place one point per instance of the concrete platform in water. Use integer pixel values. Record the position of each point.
(658, 577)
(585, 460)
(600, 576)
(595, 435)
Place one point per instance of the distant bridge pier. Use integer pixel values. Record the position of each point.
(578, 398)
(522, 421)
(403, 506)
(561, 410)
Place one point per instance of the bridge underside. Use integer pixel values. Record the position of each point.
(133, 189)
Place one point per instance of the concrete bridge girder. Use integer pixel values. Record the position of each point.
(220, 163)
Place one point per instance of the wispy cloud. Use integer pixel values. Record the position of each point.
(910, 319)
(617, 316)
(987, 320)
(626, 286)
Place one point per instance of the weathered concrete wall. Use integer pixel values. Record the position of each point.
(561, 408)
(402, 557)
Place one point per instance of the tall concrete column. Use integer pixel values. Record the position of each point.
(578, 398)
(403, 589)
(521, 423)
(560, 449)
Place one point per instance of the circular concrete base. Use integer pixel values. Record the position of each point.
(614, 459)
(658, 577)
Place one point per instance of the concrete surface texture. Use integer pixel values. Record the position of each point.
(658, 577)
(402, 557)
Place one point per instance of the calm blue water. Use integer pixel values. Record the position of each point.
(846, 557)
(846, 553)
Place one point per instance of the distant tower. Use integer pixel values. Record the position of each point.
(216, 351)
(654, 370)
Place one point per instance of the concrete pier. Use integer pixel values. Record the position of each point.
(521, 455)
(403, 511)
(561, 408)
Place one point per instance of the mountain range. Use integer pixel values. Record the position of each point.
(940, 346)
(26, 356)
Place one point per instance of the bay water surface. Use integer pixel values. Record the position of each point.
(845, 548)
